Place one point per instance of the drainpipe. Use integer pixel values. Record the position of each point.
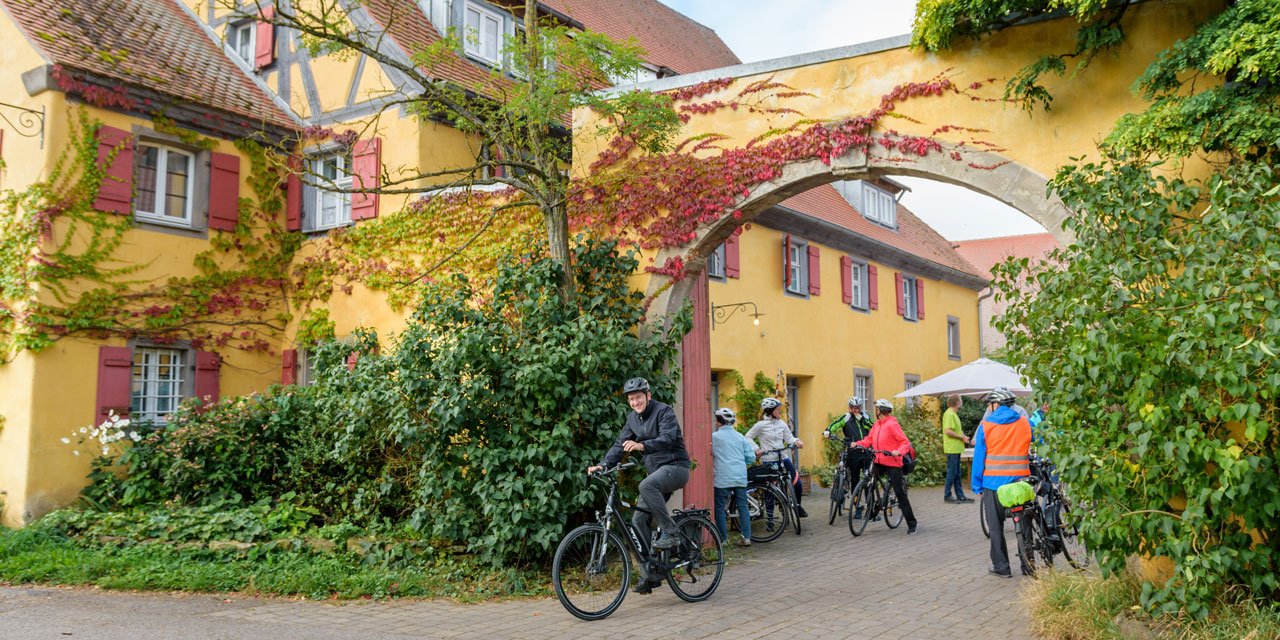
(990, 292)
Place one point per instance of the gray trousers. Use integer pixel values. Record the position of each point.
(995, 524)
(666, 479)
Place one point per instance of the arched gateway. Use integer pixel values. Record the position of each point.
(979, 142)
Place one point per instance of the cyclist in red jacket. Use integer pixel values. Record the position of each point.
(886, 435)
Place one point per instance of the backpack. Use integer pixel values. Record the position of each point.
(909, 462)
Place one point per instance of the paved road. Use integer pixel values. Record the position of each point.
(823, 584)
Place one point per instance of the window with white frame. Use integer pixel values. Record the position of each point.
(799, 268)
(953, 337)
(157, 383)
(715, 391)
(909, 382)
(909, 297)
(164, 184)
(332, 208)
(715, 262)
(306, 367)
(862, 389)
(482, 36)
(240, 40)
(858, 285)
(879, 206)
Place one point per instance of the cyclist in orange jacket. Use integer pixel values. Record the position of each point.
(1001, 454)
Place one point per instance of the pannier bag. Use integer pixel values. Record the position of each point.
(1015, 493)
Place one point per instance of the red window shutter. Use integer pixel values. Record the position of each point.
(224, 191)
(786, 261)
(873, 287)
(207, 365)
(919, 299)
(897, 287)
(293, 195)
(115, 382)
(731, 260)
(846, 279)
(289, 367)
(115, 194)
(366, 165)
(265, 53)
(815, 272)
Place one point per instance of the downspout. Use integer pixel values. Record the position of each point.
(990, 292)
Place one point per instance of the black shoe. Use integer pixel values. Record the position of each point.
(647, 586)
(950, 500)
(857, 514)
(912, 529)
(803, 513)
(964, 499)
(1000, 574)
(666, 541)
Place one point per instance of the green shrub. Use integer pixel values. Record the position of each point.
(213, 521)
(747, 399)
(923, 427)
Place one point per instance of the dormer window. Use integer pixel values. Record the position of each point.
(879, 206)
(240, 40)
(483, 33)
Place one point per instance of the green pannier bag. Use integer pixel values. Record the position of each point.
(1015, 493)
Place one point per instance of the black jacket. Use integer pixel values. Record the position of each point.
(659, 431)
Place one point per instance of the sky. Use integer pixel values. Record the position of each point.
(764, 29)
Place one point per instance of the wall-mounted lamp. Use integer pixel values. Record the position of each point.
(720, 313)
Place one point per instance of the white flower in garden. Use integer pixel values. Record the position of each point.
(66, 441)
(104, 450)
(77, 452)
(133, 435)
(83, 430)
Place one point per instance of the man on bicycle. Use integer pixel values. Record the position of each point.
(775, 434)
(652, 429)
(886, 435)
(853, 426)
(1001, 454)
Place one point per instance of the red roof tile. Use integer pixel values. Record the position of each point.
(672, 39)
(912, 234)
(153, 44)
(985, 253)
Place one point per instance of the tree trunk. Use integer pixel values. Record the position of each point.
(557, 220)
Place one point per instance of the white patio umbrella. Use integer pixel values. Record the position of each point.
(973, 379)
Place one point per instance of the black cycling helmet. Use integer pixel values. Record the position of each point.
(635, 384)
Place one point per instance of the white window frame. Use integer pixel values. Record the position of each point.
(909, 298)
(715, 391)
(156, 215)
(150, 380)
(953, 337)
(473, 41)
(910, 381)
(306, 365)
(799, 269)
(879, 206)
(793, 404)
(342, 180)
(858, 289)
(716, 263)
(862, 389)
(243, 48)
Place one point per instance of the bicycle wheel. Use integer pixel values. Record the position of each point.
(591, 572)
(1069, 530)
(892, 510)
(864, 496)
(1024, 532)
(768, 513)
(1043, 544)
(700, 558)
(837, 496)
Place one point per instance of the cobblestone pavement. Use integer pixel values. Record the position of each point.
(822, 584)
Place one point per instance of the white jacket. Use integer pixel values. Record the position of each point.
(773, 434)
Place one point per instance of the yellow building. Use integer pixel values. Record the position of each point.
(849, 303)
(175, 85)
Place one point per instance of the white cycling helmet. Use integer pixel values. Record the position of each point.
(770, 403)
(884, 404)
(727, 415)
(855, 401)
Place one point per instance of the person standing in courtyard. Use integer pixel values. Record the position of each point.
(775, 434)
(1001, 454)
(853, 426)
(732, 454)
(886, 435)
(953, 443)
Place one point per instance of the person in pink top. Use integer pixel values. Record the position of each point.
(886, 435)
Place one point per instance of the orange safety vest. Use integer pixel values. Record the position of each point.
(1007, 448)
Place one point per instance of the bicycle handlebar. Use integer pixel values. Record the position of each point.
(879, 451)
(606, 472)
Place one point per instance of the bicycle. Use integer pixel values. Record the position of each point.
(781, 479)
(840, 485)
(1047, 529)
(765, 525)
(875, 497)
(592, 567)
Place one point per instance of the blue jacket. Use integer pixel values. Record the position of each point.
(979, 482)
(732, 454)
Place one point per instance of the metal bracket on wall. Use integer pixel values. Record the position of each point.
(29, 124)
(722, 312)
